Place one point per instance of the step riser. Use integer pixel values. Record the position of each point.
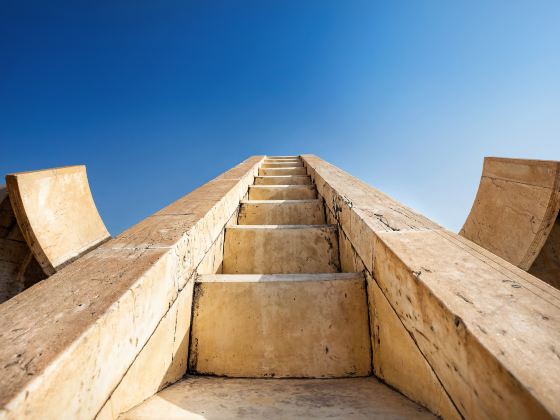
(258, 250)
(288, 163)
(282, 213)
(277, 192)
(282, 171)
(282, 165)
(312, 329)
(283, 180)
(282, 157)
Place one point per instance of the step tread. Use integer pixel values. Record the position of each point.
(218, 398)
(303, 201)
(287, 167)
(283, 180)
(285, 186)
(280, 227)
(253, 278)
(282, 176)
(293, 170)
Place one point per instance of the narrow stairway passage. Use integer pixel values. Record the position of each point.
(281, 308)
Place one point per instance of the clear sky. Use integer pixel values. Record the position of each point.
(158, 97)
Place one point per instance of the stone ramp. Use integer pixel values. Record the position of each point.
(224, 398)
(515, 214)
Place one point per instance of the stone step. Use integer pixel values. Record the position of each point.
(304, 325)
(283, 157)
(294, 162)
(281, 212)
(271, 249)
(201, 397)
(282, 192)
(281, 164)
(283, 160)
(283, 180)
(282, 171)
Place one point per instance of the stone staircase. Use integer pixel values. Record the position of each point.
(281, 308)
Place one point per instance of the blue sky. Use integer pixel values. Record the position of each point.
(157, 98)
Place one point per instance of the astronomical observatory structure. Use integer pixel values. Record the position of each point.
(283, 288)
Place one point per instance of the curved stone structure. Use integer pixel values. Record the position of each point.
(18, 267)
(56, 214)
(515, 214)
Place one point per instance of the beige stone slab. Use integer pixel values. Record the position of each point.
(18, 267)
(56, 214)
(282, 171)
(360, 209)
(514, 212)
(162, 361)
(285, 160)
(254, 249)
(282, 192)
(244, 171)
(281, 212)
(488, 330)
(282, 157)
(272, 164)
(226, 398)
(96, 319)
(254, 278)
(269, 329)
(547, 264)
(205, 197)
(494, 339)
(283, 180)
(396, 358)
(213, 260)
(101, 310)
(406, 369)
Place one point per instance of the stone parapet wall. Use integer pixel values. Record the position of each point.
(454, 327)
(71, 341)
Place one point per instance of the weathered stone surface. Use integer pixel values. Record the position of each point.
(264, 326)
(488, 330)
(162, 361)
(18, 267)
(56, 214)
(515, 211)
(282, 192)
(406, 369)
(223, 398)
(283, 180)
(547, 264)
(282, 171)
(269, 249)
(281, 212)
(102, 310)
(273, 164)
